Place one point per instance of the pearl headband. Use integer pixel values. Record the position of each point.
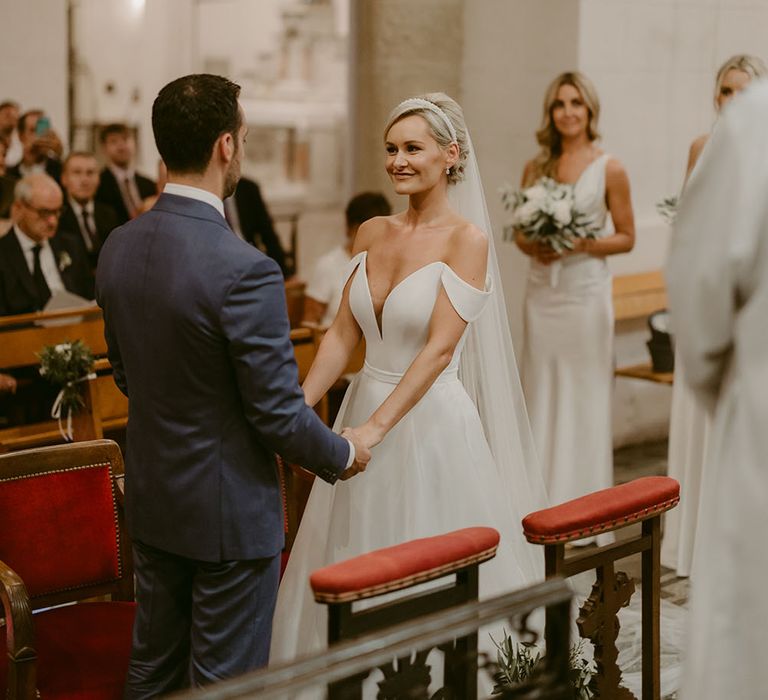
(419, 103)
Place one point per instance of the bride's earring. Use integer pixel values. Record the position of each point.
(447, 171)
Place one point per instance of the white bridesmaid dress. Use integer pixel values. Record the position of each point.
(567, 364)
(433, 473)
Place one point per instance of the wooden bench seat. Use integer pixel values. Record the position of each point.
(635, 297)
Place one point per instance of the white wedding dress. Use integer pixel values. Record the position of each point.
(567, 367)
(433, 473)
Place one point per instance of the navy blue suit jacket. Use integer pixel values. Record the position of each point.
(198, 336)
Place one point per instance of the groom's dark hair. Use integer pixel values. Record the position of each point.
(189, 114)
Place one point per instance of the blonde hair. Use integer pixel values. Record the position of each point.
(751, 65)
(548, 136)
(440, 130)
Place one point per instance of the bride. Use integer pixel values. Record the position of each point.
(438, 399)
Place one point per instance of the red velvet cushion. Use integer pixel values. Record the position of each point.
(403, 565)
(58, 529)
(602, 510)
(82, 651)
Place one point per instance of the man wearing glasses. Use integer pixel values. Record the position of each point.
(34, 263)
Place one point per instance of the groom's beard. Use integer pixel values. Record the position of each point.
(231, 180)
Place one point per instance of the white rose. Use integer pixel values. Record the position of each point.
(536, 194)
(562, 213)
(525, 214)
(61, 348)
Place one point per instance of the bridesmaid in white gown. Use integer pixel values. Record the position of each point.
(438, 399)
(690, 423)
(567, 366)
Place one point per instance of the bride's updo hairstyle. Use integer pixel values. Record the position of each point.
(751, 65)
(548, 136)
(447, 109)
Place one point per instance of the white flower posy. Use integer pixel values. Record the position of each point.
(64, 260)
(546, 212)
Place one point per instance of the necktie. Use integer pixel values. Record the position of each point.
(130, 201)
(90, 232)
(41, 286)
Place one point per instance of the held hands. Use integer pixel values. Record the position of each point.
(363, 438)
(7, 384)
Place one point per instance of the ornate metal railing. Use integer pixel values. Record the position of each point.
(401, 652)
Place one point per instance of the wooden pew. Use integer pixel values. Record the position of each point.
(106, 406)
(636, 297)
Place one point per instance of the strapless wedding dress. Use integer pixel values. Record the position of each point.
(433, 473)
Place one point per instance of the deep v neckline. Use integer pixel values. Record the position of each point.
(379, 319)
(583, 172)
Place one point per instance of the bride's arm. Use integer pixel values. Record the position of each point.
(337, 346)
(341, 339)
(468, 258)
(619, 203)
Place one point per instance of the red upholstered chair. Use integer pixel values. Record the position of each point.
(396, 568)
(61, 541)
(639, 501)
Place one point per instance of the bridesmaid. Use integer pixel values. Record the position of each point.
(567, 364)
(689, 425)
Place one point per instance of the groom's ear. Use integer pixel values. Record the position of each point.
(225, 146)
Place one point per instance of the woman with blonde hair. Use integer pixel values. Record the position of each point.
(438, 399)
(690, 422)
(567, 366)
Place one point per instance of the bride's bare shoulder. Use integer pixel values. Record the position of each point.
(371, 231)
(468, 253)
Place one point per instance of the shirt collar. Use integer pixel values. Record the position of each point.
(121, 173)
(80, 208)
(26, 243)
(195, 193)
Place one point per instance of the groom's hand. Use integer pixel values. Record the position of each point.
(362, 454)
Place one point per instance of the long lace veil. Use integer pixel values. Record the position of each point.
(488, 369)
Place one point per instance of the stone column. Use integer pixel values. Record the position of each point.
(398, 49)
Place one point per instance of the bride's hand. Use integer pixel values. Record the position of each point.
(546, 255)
(367, 434)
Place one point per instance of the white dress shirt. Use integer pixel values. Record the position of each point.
(47, 260)
(210, 198)
(80, 212)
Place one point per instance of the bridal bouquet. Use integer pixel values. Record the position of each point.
(67, 365)
(546, 212)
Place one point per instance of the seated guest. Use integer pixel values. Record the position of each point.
(9, 120)
(41, 147)
(121, 186)
(248, 217)
(326, 284)
(34, 263)
(7, 184)
(89, 221)
(7, 387)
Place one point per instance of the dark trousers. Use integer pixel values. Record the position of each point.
(198, 622)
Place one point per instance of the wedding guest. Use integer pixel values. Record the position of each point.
(326, 283)
(90, 221)
(7, 183)
(717, 278)
(41, 148)
(248, 216)
(9, 119)
(689, 429)
(568, 383)
(34, 262)
(121, 187)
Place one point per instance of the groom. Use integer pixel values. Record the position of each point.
(198, 337)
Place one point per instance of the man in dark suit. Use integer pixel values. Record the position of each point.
(121, 187)
(249, 218)
(88, 221)
(34, 262)
(198, 337)
(41, 152)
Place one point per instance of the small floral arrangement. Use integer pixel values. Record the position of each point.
(67, 365)
(546, 212)
(519, 662)
(64, 260)
(667, 208)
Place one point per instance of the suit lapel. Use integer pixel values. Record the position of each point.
(18, 263)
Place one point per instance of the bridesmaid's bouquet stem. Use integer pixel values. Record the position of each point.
(546, 213)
